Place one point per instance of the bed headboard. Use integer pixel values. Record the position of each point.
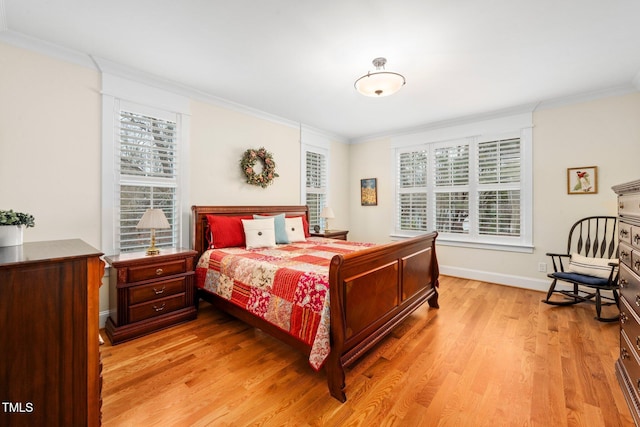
(200, 226)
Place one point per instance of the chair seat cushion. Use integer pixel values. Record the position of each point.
(581, 278)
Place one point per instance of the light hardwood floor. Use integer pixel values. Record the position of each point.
(490, 356)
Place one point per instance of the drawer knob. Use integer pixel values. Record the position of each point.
(623, 282)
(624, 255)
(156, 308)
(621, 205)
(624, 232)
(638, 300)
(636, 265)
(159, 272)
(638, 342)
(159, 291)
(636, 238)
(623, 317)
(624, 354)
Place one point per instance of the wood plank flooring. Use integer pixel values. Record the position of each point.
(490, 356)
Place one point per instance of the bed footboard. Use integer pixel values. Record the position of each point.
(371, 292)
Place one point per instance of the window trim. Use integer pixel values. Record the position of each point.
(518, 125)
(312, 142)
(116, 89)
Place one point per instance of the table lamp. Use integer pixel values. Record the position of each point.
(327, 213)
(152, 219)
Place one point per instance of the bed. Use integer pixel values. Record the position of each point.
(372, 288)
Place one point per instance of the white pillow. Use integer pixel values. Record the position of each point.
(259, 233)
(295, 230)
(596, 267)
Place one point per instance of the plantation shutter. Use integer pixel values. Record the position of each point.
(147, 167)
(412, 190)
(316, 186)
(452, 188)
(499, 184)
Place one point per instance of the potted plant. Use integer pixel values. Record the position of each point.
(12, 225)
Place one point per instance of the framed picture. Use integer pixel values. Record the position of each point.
(582, 180)
(369, 192)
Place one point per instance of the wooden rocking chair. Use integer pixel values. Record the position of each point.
(591, 265)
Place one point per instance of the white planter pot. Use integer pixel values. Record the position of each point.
(11, 235)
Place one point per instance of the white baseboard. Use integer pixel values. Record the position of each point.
(102, 318)
(501, 279)
(505, 279)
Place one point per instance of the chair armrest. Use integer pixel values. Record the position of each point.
(552, 254)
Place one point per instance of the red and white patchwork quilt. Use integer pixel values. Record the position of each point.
(287, 286)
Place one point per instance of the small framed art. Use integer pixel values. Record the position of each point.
(582, 180)
(369, 192)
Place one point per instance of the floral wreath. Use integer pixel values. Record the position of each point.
(248, 161)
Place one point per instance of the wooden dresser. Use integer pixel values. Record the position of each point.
(151, 292)
(50, 371)
(628, 364)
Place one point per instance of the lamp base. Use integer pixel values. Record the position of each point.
(153, 251)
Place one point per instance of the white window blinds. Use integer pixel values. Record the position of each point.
(316, 185)
(147, 166)
(469, 189)
(412, 190)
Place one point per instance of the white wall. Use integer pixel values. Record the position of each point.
(603, 133)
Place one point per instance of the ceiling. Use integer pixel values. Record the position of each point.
(298, 59)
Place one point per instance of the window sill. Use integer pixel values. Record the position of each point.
(494, 246)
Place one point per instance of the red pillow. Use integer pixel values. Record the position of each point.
(227, 231)
(305, 224)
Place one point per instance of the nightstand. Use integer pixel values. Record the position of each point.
(332, 234)
(152, 292)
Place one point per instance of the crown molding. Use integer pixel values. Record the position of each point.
(3, 17)
(624, 89)
(107, 66)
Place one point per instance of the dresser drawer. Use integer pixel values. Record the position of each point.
(630, 361)
(624, 232)
(152, 271)
(630, 287)
(629, 205)
(624, 253)
(156, 290)
(156, 307)
(630, 323)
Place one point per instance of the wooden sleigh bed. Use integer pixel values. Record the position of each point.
(371, 290)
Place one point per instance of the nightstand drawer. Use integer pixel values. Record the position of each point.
(156, 307)
(156, 290)
(152, 271)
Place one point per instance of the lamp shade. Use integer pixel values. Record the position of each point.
(380, 82)
(327, 212)
(153, 218)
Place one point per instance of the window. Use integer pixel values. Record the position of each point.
(475, 191)
(147, 166)
(314, 149)
(316, 185)
(144, 148)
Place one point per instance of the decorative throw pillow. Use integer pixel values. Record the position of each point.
(259, 233)
(281, 232)
(596, 267)
(294, 229)
(226, 231)
(305, 224)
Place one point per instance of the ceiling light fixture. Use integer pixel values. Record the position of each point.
(379, 82)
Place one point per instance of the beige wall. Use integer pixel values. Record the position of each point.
(50, 148)
(603, 133)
